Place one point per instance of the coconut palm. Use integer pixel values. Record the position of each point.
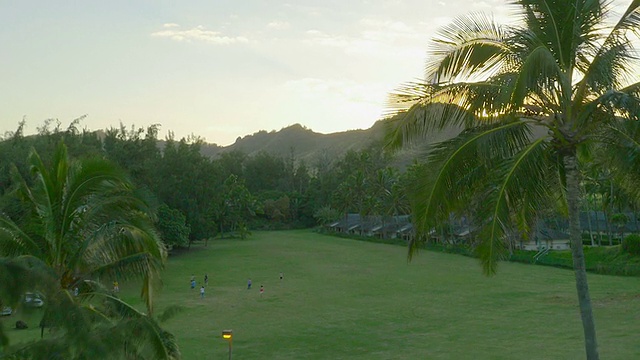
(83, 223)
(529, 99)
(91, 325)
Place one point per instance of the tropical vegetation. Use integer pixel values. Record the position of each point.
(74, 228)
(535, 102)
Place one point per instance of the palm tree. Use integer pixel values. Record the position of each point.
(84, 225)
(92, 325)
(529, 98)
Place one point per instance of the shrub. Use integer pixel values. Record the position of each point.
(631, 244)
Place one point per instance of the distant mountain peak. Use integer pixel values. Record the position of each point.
(307, 145)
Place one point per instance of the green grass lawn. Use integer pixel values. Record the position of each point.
(347, 299)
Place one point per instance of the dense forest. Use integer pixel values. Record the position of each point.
(198, 197)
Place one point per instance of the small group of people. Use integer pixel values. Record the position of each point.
(249, 283)
(249, 287)
(193, 284)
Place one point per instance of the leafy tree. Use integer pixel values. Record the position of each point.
(135, 150)
(620, 220)
(238, 206)
(351, 194)
(322, 183)
(232, 163)
(264, 172)
(530, 98)
(13, 152)
(301, 178)
(84, 224)
(631, 244)
(189, 182)
(172, 226)
(278, 209)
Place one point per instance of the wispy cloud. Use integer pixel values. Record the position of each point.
(388, 31)
(278, 25)
(198, 33)
(317, 37)
(373, 32)
(375, 37)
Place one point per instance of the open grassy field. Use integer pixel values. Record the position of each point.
(346, 299)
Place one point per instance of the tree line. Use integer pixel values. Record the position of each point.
(196, 197)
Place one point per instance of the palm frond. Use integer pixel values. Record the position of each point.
(610, 59)
(457, 168)
(455, 106)
(421, 120)
(472, 45)
(45, 195)
(613, 105)
(611, 68)
(621, 146)
(563, 26)
(14, 241)
(539, 75)
(630, 19)
(141, 334)
(170, 312)
(521, 186)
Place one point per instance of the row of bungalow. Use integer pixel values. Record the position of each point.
(549, 234)
(391, 227)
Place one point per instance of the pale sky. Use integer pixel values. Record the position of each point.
(218, 69)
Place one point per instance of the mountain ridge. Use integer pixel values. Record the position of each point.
(303, 144)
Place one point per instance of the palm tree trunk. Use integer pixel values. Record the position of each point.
(610, 212)
(584, 300)
(593, 241)
(608, 224)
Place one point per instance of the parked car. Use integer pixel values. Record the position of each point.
(34, 300)
(6, 311)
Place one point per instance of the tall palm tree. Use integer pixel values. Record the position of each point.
(529, 98)
(85, 225)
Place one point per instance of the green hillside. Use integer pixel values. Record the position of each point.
(305, 144)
